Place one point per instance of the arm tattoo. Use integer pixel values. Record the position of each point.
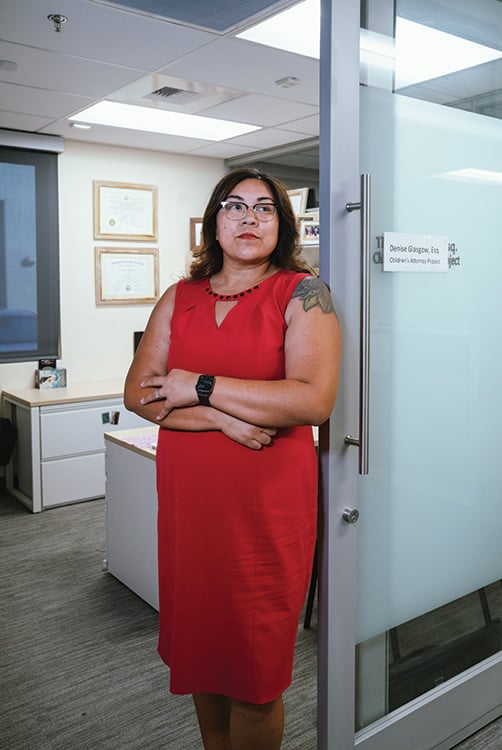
(314, 292)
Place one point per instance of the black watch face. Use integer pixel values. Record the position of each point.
(204, 388)
(205, 385)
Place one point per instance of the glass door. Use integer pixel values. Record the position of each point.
(424, 560)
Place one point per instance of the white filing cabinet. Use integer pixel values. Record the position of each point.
(59, 457)
(131, 511)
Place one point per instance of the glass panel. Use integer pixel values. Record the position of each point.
(29, 255)
(433, 648)
(450, 53)
(431, 521)
(18, 258)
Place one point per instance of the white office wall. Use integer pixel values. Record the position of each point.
(97, 342)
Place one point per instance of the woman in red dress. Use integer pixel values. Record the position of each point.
(236, 363)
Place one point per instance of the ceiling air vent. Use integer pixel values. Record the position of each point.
(173, 95)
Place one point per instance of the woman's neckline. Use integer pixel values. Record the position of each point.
(244, 292)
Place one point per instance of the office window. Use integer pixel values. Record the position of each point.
(29, 255)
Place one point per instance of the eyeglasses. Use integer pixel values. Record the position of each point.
(237, 210)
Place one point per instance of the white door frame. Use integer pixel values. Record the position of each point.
(339, 184)
(443, 717)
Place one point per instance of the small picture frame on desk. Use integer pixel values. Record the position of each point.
(50, 378)
(309, 231)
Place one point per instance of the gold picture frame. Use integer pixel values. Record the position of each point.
(298, 198)
(195, 234)
(126, 275)
(124, 211)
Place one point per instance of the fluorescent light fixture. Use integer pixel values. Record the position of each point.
(294, 30)
(148, 119)
(472, 174)
(297, 30)
(423, 53)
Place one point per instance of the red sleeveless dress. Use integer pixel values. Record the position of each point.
(236, 527)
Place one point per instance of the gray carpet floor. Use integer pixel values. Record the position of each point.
(79, 668)
(78, 663)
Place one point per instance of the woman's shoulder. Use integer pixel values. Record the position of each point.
(186, 291)
(288, 280)
(187, 285)
(283, 284)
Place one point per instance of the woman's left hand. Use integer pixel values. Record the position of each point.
(176, 389)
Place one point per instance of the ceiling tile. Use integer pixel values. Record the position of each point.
(260, 110)
(307, 125)
(99, 32)
(251, 67)
(29, 123)
(33, 101)
(44, 70)
(222, 150)
(268, 138)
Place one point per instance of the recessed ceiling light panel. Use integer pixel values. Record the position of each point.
(148, 119)
(294, 30)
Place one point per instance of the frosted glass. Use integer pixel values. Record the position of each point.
(430, 529)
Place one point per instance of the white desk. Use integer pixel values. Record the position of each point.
(60, 452)
(131, 510)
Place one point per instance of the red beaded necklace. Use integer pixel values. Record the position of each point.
(228, 297)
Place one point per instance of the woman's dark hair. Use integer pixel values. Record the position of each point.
(209, 258)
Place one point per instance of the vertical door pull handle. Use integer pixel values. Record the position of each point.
(364, 342)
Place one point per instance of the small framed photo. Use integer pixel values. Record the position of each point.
(195, 234)
(126, 276)
(309, 231)
(124, 211)
(298, 198)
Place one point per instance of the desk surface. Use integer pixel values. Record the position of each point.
(73, 393)
(138, 440)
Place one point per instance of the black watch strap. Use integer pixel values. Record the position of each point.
(204, 388)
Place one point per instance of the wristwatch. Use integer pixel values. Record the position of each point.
(204, 388)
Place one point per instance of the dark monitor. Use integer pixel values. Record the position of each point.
(137, 339)
(312, 201)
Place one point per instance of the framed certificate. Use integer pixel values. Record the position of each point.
(195, 234)
(124, 212)
(298, 198)
(126, 276)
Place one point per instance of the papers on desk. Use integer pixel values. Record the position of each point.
(145, 442)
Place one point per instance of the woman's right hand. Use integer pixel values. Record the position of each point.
(250, 435)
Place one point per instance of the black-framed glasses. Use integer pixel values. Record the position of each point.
(238, 209)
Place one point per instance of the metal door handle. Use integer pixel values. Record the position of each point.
(350, 515)
(364, 342)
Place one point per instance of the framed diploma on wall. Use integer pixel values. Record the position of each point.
(124, 211)
(126, 275)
